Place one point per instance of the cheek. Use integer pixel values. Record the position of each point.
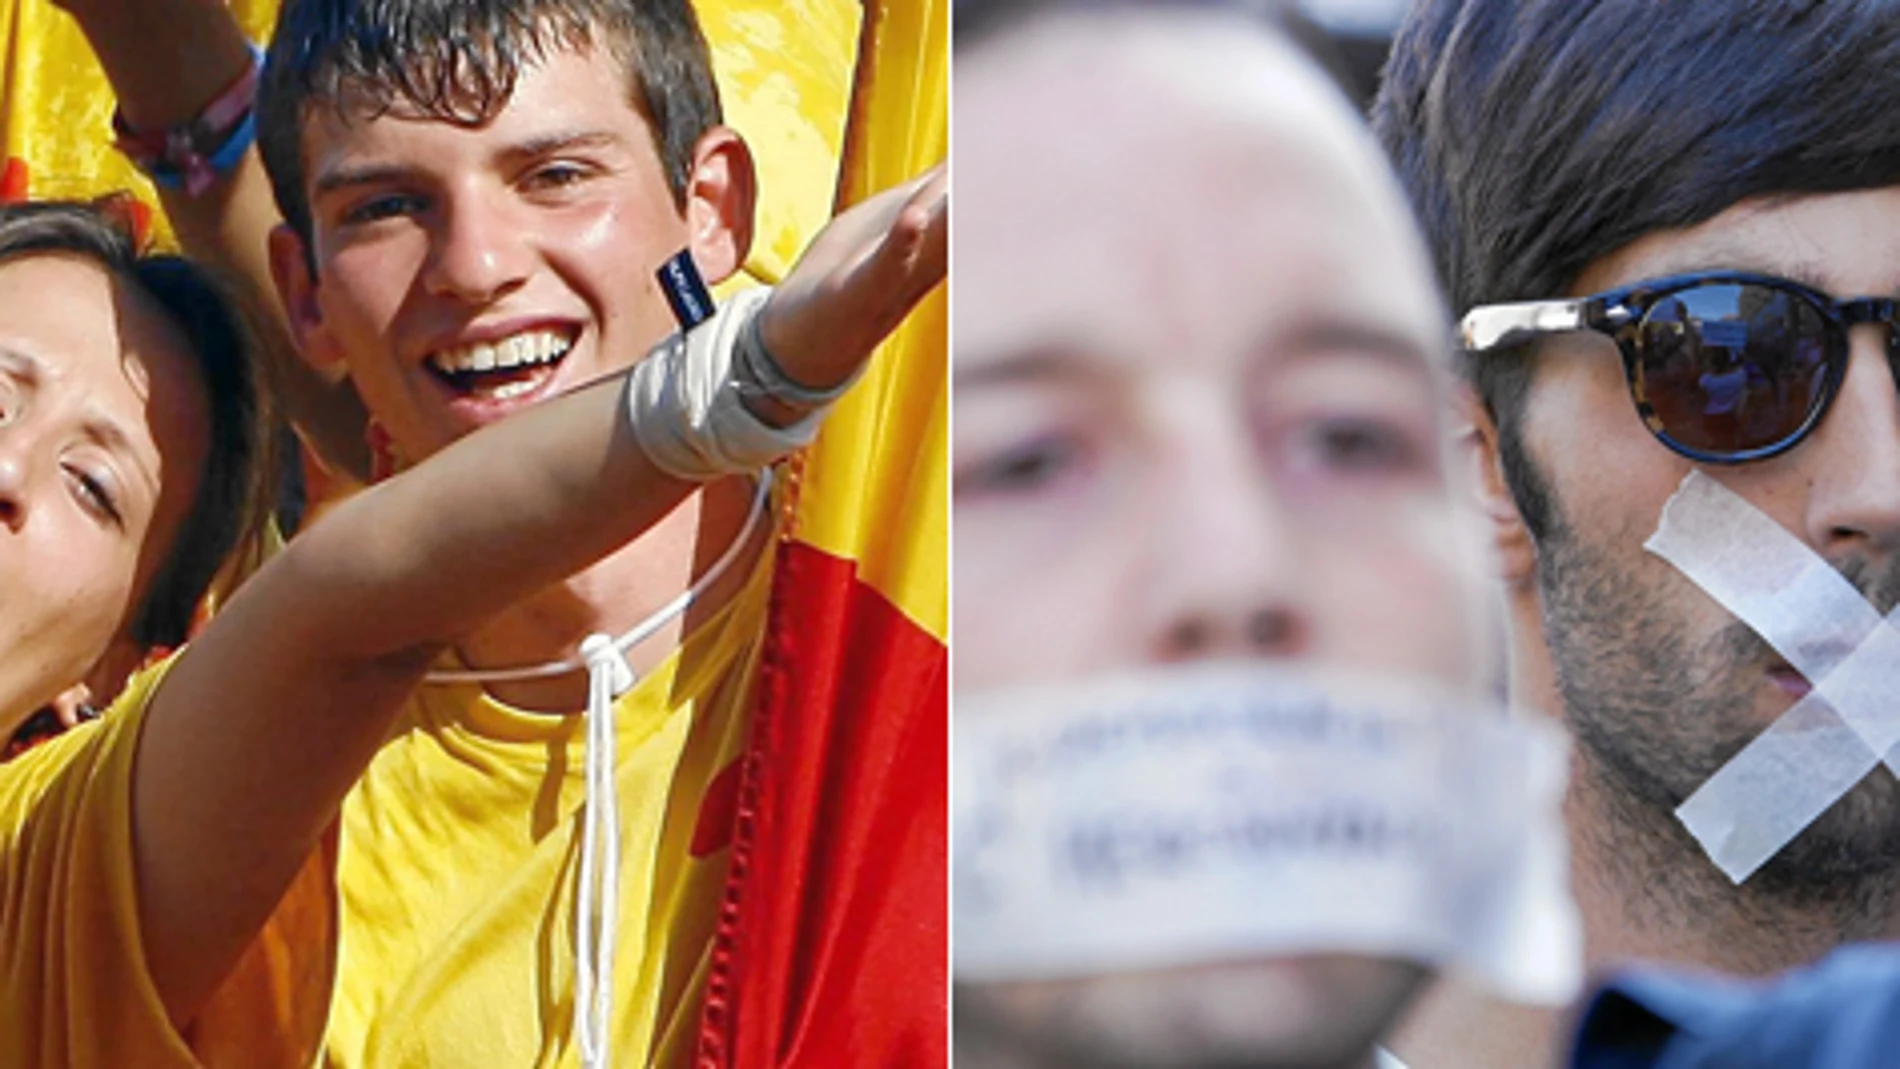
(608, 253)
(1056, 603)
(1583, 434)
(363, 288)
(615, 247)
(75, 600)
(1410, 601)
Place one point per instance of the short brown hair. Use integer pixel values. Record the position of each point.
(457, 60)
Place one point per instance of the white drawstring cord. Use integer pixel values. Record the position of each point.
(608, 677)
(640, 631)
(598, 894)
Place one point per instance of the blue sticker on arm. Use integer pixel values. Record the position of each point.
(685, 290)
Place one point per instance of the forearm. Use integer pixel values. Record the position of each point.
(286, 695)
(166, 61)
(489, 520)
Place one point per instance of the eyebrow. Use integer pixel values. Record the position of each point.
(348, 176)
(560, 141)
(345, 176)
(1727, 258)
(1335, 335)
(1048, 362)
(1036, 364)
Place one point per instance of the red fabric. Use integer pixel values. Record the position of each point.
(12, 180)
(712, 832)
(833, 946)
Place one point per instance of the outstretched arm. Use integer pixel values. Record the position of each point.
(266, 720)
(166, 61)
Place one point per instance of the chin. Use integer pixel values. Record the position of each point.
(1312, 1012)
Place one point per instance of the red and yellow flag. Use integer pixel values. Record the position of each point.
(833, 949)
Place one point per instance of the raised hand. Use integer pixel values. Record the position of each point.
(859, 278)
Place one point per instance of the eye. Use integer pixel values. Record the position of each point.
(556, 175)
(1357, 445)
(383, 206)
(1026, 469)
(94, 494)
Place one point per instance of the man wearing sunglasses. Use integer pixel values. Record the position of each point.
(1671, 235)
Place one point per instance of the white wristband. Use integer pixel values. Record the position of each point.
(685, 404)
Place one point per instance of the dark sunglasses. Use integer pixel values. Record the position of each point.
(1725, 367)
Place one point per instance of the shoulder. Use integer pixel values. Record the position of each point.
(63, 771)
(1843, 1011)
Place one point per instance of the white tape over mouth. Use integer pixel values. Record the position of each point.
(1225, 812)
(1839, 731)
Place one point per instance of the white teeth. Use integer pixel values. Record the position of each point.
(511, 389)
(529, 347)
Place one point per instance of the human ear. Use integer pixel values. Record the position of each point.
(721, 195)
(297, 291)
(1478, 440)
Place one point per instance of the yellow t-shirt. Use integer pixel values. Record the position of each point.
(435, 926)
(459, 851)
(74, 990)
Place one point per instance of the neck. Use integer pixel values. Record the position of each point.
(1648, 894)
(618, 592)
(1458, 1026)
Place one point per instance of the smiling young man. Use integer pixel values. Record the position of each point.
(142, 851)
(1643, 157)
(478, 199)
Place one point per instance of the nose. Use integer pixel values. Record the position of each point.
(478, 253)
(1226, 557)
(1854, 465)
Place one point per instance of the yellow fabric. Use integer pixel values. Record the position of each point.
(435, 927)
(784, 71)
(452, 879)
(783, 68)
(71, 958)
(876, 483)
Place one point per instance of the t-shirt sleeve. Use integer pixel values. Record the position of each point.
(74, 987)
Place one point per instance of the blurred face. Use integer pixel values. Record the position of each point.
(102, 445)
(1198, 416)
(1661, 684)
(464, 272)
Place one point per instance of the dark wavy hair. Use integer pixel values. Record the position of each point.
(1536, 136)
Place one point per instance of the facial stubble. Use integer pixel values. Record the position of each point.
(1657, 709)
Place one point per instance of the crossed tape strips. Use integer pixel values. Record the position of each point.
(1843, 728)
